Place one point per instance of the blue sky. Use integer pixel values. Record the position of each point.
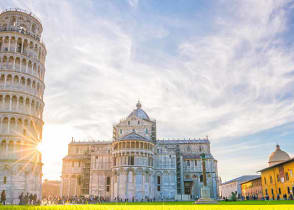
(219, 68)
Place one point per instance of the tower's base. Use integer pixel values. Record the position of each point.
(205, 197)
(206, 201)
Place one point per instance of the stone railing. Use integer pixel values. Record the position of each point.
(28, 53)
(30, 91)
(22, 31)
(17, 69)
(134, 150)
(21, 110)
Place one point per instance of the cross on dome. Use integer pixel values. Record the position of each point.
(138, 105)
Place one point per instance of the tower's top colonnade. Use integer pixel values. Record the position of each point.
(22, 21)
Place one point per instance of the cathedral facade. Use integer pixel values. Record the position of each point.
(136, 166)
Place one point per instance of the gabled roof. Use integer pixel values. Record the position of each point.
(196, 156)
(259, 177)
(183, 141)
(90, 142)
(242, 179)
(134, 136)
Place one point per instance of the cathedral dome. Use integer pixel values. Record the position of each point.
(278, 156)
(140, 113)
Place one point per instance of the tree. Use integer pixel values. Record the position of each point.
(234, 196)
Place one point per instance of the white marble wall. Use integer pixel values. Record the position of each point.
(139, 181)
(20, 181)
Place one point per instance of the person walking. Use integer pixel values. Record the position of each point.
(21, 199)
(3, 197)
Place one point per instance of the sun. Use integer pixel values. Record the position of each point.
(41, 147)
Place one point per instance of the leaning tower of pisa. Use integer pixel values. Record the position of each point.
(22, 69)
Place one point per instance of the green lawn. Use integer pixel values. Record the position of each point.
(180, 205)
(280, 202)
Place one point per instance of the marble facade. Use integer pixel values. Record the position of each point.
(137, 166)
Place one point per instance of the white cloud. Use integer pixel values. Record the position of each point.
(133, 3)
(224, 84)
(241, 70)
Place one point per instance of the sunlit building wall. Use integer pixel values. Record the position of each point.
(22, 69)
(252, 189)
(278, 178)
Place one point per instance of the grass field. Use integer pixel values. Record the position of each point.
(239, 205)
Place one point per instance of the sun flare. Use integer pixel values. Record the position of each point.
(41, 147)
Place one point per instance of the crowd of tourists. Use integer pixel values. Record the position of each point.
(50, 200)
(255, 197)
(284, 197)
(24, 199)
(31, 199)
(54, 200)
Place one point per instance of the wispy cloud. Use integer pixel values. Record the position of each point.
(133, 3)
(232, 80)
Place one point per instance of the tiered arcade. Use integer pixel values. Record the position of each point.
(22, 69)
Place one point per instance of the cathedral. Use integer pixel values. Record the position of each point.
(136, 166)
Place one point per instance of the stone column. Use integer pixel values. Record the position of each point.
(127, 184)
(9, 38)
(14, 63)
(61, 186)
(143, 184)
(182, 175)
(117, 186)
(22, 42)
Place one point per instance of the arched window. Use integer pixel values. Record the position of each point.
(108, 180)
(4, 180)
(201, 178)
(287, 176)
(108, 184)
(3, 146)
(158, 183)
(131, 160)
(34, 28)
(146, 130)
